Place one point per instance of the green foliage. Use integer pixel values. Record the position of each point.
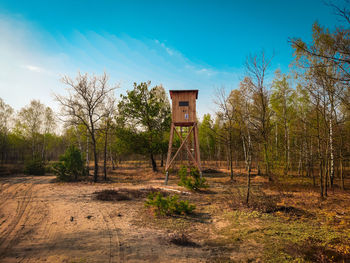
(191, 181)
(48, 168)
(169, 205)
(206, 137)
(35, 166)
(148, 109)
(70, 165)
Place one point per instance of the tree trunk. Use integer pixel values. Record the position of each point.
(286, 141)
(288, 153)
(276, 145)
(300, 157)
(162, 160)
(43, 150)
(319, 151)
(230, 160)
(95, 159)
(105, 153)
(341, 174)
(331, 174)
(341, 162)
(231, 165)
(313, 175)
(33, 148)
(321, 178)
(112, 160)
(249, 152)
(87, 153)
(76, 176)
(154, 164)
(325, 178)
(312, 163)
(248, 184)
(78, 138)
(245, 154)
(267, 165)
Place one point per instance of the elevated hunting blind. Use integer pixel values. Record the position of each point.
(183, 107)
(184, 117)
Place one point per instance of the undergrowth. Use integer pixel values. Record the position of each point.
(124, 194)
(191, 180)
(169, 205)
(70, 165)
(35, 166)
(286, 229)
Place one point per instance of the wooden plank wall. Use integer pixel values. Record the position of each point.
(178, 113)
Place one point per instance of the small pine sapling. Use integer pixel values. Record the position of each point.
(168, 205)
(191, 181)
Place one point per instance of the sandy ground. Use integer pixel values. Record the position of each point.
(42, 221)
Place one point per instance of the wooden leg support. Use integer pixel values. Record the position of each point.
(169, 153)
(184, 143)
(198, 156)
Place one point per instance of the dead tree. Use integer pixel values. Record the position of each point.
(84, 105)
(226, 115)
(109, 111)
(257, 67)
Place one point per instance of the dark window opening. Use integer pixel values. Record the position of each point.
(183, 103)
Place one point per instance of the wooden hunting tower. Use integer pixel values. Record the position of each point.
(184, 115)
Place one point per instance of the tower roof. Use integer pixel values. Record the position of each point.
(183, 91)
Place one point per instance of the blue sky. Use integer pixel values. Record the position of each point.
(179, 44)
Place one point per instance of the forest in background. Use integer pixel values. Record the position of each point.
(296, 124)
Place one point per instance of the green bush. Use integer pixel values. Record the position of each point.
(48, 168)
(169, 205)
(59, 169)
(191, 181)
(35, 167)
(70, 165)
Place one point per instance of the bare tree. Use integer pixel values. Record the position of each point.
(333, 47)
(242, 99)
(109, 112)
(226, 114)
(49, 125)
(84, 105)
(6, 112)
(246, 126)
(30, 121)
(257, 67)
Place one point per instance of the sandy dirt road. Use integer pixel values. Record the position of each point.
(42, 221)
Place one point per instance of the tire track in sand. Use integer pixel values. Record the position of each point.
(114, 241)
(30, 213)
(6, 240)
(115, 251)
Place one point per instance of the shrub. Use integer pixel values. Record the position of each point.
(60, 171)
(35, 167)
(70, 165)
(169, 205)
(48, 168)
(191, 181)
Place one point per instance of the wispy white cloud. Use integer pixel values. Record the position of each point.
(170, 51)
(27, 71)
(33, 68)
(206, 71)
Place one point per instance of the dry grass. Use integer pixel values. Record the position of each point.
(285, 221)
